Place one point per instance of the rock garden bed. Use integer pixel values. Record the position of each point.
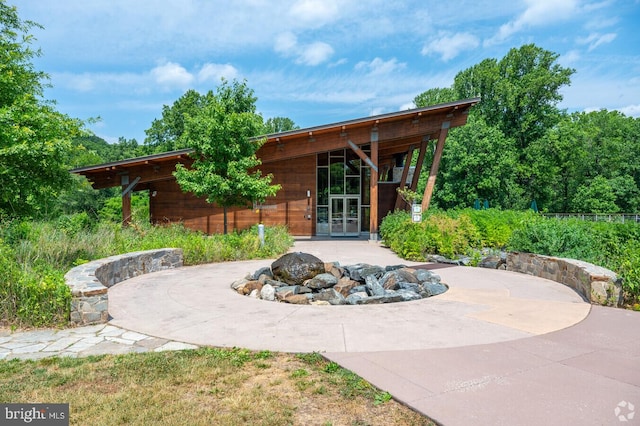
(301, 278)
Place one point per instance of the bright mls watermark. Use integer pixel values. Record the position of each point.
(34, 414)
(625, 411)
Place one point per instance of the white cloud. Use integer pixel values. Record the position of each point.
(408, 105)
(380, 67)
(600, 23)
(594, 40)
(631, 110)
(307, 54)
(449, 46)
(376, 111)
(171, 75)
(537, 13)
(569, 58)
(214, 72)
(314, 53)
(314, 12)
(286, 44)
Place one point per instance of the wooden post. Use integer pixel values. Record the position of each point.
(428, 191)
(126, 200)
(403, 179)
(418, 170)
(373, 214)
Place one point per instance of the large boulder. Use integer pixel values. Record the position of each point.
(296, 268)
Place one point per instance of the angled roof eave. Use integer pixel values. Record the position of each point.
(133, 161)
(467, 103)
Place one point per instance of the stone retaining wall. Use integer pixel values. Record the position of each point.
(89, 282)
(597, 285)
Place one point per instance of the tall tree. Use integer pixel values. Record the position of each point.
(165, 133)
(519, 93)
(222, 135)
(34, 137)
(479, 162)
(434, 96)
(279, 124)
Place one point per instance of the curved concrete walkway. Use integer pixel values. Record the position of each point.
(498, 348)
(196, 305)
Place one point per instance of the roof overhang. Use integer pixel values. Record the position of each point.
(395, 132)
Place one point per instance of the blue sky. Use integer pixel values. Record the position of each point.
(317, 61)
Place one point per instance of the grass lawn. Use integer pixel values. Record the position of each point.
(206, 386)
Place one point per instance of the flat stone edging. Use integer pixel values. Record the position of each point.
(598, 285)
(89, 282)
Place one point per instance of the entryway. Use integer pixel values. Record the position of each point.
(344, 216)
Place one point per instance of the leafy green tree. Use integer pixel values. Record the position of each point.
(279, 124)
(165, 133)
(518, 108)
(222, 135)
(596, 196)
(519, 93)
(34, 137)
(478, 162)
(434, 96)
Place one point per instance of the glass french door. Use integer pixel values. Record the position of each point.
(344, 216)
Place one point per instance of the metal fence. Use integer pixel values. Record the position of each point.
(617, 218)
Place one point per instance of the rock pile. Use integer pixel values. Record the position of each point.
(302, 278)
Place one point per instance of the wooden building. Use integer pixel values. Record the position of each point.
(337, 180)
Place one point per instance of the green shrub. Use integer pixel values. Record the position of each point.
(496, 226)
(629, 269)
(34, 256)
(612, 245)
(569, 238)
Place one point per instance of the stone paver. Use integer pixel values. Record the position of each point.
(81, 341)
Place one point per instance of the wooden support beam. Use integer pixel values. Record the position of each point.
(126, 200)
(360, 153)
(403, 179)
(428, 191)
(419, 163)
(373, 214)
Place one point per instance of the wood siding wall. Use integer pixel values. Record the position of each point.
(290, 206)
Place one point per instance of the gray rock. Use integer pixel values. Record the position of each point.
(416, 288)
(359, 289)
(359, 271)
(390, 297)
(408, 295)
(353, 298)
(433, 289)
(424, 275)
(239, 284)
(389, 280)
(286, 291)
(441, 259)
(324, 280)
(330, 295)
(464, 260)
(491, 262)
(304, 290)
(262, 271)
(374, 286)
(268, 293)
(275, 283)
(394, 267)
(296, 268)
